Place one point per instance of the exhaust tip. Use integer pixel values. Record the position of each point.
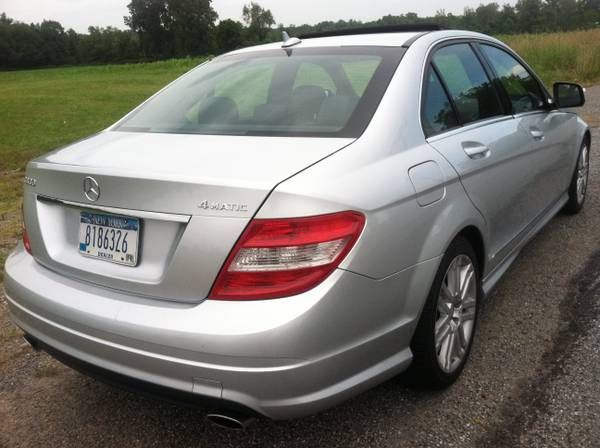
(229, 421)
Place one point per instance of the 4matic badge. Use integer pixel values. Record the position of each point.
(223, 206)
(31, 181)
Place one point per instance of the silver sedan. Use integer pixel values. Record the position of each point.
(288, 225)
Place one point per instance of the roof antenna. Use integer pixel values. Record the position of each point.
(289, 41)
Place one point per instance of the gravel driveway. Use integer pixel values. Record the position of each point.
(533, 378)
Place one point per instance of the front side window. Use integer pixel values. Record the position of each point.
(523, 90)
(468, 84)
(314, 92)
(438, 115)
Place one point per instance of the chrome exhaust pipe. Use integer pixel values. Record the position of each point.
(229, 420)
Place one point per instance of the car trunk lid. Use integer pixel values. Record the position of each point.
(193, 195)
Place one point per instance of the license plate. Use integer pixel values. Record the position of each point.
(109, 237)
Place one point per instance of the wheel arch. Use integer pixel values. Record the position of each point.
(475, 238)
(587, 136)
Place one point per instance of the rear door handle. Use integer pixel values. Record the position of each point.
(536, 134)
(476, 150)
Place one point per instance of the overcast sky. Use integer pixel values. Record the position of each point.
(79, 14)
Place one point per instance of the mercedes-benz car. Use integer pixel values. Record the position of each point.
(290, 224)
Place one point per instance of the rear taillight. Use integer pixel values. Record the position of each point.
(26, 241)
(283, 257)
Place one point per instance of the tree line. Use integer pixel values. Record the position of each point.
(160, 29)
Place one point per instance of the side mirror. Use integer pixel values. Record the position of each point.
(567, 94)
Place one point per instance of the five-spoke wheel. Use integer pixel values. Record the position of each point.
(579, 181)
(444, 334)
(455, 313)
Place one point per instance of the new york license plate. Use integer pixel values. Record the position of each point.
(109, 237)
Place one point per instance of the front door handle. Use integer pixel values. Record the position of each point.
(536, 134)
(476, 150)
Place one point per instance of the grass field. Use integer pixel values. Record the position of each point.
(573, 56)
(44, 109)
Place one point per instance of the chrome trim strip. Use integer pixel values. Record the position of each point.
(120, 211)
(468, 127)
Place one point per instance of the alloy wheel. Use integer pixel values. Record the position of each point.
(455, 316)
(582, 173)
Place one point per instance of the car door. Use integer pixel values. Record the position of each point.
(465, 120)
(549, 135)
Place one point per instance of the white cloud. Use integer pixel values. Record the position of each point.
(76, 14)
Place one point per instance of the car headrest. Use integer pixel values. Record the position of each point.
(306, 102)
(218, 110)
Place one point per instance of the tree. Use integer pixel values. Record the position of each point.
(147, 20)
(589, 13)
(258, 20)
(469, 19)
(529, 16)
(73, 47)
(508, 19)
(447, 20)
(229, 35)
(5, 20)
(565, 14)
(173, 27)
(168, 28)
(488, 18)
(54, 42)
(190, 25)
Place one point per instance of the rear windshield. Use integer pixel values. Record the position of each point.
(325, 92)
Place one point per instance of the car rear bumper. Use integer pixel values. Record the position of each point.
(281, 358)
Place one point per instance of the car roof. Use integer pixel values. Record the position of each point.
(379, 39)
(383, 39)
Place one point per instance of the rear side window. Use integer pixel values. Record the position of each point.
(468, 84)
(437, 115)
(523, 90)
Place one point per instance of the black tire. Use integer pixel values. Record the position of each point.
(575, 204)
(425, 369)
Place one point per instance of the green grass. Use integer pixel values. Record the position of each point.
(572, 56)
(44, 109)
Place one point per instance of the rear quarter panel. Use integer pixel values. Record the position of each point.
(399, 232)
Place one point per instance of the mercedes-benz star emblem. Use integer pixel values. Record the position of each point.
(91, 189)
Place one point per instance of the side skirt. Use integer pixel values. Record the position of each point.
(492, 278)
